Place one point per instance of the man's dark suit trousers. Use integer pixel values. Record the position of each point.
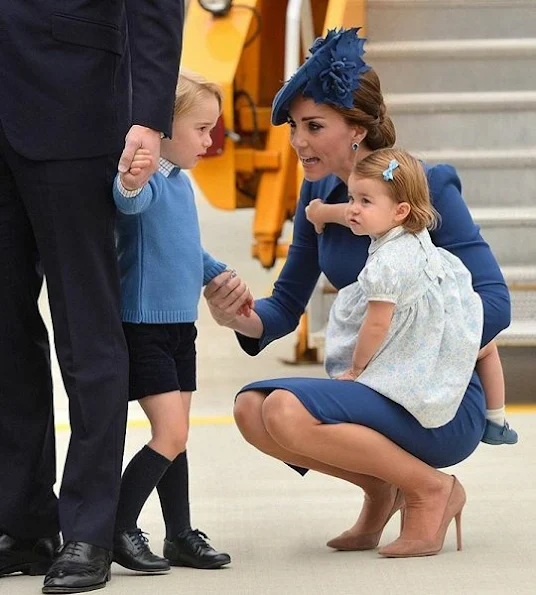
(57, 218)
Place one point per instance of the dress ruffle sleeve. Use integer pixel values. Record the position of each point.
(380, 281)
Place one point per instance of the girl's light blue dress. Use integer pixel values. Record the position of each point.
(341, 256)
(429, 354)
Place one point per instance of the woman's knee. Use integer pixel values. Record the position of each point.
(284, 418)
(247, 414)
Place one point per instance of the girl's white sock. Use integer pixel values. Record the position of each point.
(497, 416)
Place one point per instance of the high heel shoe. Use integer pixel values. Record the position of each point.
(349, 542)
(407, 548)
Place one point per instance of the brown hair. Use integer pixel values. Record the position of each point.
(369, 111)
(190, 87)
(409, 184)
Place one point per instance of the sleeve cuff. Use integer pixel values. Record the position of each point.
(124, 192)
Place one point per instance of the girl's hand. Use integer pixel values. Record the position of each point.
(313, 212)
(351, 375)
(135, 177)
(227, 295)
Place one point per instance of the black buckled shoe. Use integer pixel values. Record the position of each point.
(29, 556)
(189, 548)
(79, 567)
(131, 550)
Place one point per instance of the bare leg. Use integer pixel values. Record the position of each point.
(169, 424)
(379, 495)
(360, 450)
(490, 371)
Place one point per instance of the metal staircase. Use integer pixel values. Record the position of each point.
(460, 80)
(460, 83)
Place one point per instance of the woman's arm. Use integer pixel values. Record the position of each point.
(458, 234)
(279, 314)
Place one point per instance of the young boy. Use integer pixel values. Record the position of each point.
(163, 268)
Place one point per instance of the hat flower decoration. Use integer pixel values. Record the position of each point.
(329, 75)
(334, 75)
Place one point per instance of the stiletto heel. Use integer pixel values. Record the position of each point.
(458, 519)
(407, 548)
(348, 542)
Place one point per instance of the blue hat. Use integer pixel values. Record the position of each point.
(329, 75)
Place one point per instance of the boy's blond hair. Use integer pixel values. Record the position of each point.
(409, 184)
(190, 87)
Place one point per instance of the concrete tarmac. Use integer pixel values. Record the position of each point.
(274, 523)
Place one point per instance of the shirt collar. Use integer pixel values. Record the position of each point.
(376, 243)
(165, 167)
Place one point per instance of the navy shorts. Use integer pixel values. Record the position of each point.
(162, 358)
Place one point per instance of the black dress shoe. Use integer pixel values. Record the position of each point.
(79, 567)
(29, 556)
(189, 548)
(131, 550)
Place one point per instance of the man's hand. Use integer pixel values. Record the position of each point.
(139, 137)
(314, 214)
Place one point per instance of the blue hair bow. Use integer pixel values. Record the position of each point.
(388, 173)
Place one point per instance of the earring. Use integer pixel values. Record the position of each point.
(355, 146)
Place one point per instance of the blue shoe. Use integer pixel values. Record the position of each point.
(496, 434)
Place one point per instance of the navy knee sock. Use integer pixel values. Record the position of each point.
(173, 492)
(139, 479)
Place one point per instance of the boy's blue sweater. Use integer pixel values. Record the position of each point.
(162, 263)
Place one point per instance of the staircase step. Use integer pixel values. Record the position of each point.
(464, 121)
(454, 65)
(519, 333)
(511, 233)
(488, 176)
(520, 278)
(522, 285)
(505, 217)
(444, 19)
(485, 101)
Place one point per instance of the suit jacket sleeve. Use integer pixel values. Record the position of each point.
(155, 40)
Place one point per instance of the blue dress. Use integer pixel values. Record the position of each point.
(334, 401)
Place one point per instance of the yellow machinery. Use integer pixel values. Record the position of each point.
(247, 52)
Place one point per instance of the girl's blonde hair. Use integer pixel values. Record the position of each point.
(409, 184)
(191, 86)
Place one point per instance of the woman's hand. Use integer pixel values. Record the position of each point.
(314, 213)
(228, 298)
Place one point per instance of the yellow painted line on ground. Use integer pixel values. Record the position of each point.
(217, 420)
(528, 408)
(226, 420)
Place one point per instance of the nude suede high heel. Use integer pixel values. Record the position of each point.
(407, 548)
(348, 542)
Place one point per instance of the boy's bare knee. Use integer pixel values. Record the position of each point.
(170, 445)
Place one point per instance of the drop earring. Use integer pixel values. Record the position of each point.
(355, 146)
